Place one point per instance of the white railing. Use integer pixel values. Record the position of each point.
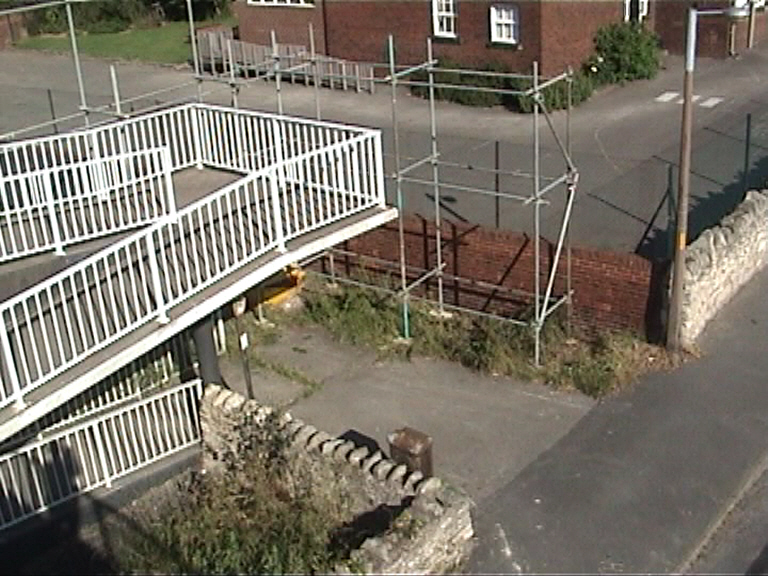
(247, 141)
(50, 208)
(70, 316)
(223, 56)
(220, 54)
(174, 128)
(95, 453)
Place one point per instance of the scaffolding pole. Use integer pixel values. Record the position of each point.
(568, 262)
(536, 219)
(76, 59)
(278, 73)
(406, 328)
(398, 77)
(315, 75)
(435, 180)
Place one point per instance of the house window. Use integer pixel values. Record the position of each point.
(505, 24)
(309, 3)
(635, 10)
(444, 18)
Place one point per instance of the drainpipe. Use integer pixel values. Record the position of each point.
(325, 28)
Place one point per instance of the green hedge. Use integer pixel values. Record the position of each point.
(555, 96)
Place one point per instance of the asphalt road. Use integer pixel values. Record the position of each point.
(740, 544)
(625, 140)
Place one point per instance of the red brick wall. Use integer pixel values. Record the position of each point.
(568, 30)
(474, 49)
(359, 30)
(670, 22)
(555, 33)
(611, 290)
(291, 24)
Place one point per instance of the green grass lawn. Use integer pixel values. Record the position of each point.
(166, 44)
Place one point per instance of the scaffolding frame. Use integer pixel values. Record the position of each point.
(544, 302)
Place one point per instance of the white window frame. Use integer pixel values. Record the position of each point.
(509, 15)
(284, 3)
(745, 3)
(444, 18)
(642, 10)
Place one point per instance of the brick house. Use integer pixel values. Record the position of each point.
(514, 33)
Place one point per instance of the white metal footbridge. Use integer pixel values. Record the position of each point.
(193, 205)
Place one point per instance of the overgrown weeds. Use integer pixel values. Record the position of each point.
(595, 365)
(251, 519)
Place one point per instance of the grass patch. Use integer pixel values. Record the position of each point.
(167, 44)
(595, 366)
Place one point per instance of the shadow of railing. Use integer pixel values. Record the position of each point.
(86, 535)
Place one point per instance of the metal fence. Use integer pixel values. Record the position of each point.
(316, 174)
(222, 56)
(95, 453)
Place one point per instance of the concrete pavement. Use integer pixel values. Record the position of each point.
(639, 483)
(485, 429)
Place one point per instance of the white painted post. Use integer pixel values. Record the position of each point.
(196, 136)
(277, 219)
(48, 191)
(99, 439)
(154, 269)
(169, 189)
(379, 170)
(10, 365)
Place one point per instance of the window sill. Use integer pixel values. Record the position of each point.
(446, 39)
(279, 5)
(514, 46)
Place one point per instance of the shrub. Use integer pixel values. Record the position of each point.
(107, 16)
(203, 9)
(466, 97)
(595, 364)
(623, 52)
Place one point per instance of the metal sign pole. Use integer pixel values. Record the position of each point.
(76, 58)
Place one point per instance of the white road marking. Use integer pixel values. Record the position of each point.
(711, 102)
(666, 97)
(670, 96)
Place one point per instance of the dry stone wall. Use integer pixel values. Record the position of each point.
(721, 260)
(432, 535)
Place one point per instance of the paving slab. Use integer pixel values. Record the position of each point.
(485, 429)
